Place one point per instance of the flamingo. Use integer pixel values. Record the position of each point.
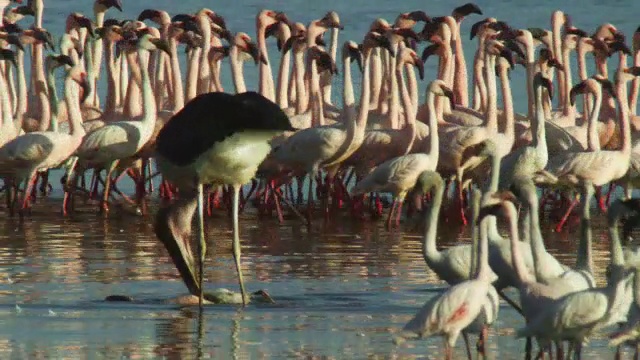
(327, 146)
(577, 315)
(108, 145)
(399, 175)
(38, 151)
(198, 147)
(454, 264)
(451, 312)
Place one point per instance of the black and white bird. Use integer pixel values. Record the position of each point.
(217, 139)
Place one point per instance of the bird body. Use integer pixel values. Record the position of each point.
(449, 313)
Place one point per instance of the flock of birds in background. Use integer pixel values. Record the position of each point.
(207, 143)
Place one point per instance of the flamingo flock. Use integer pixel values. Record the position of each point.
(207, 145)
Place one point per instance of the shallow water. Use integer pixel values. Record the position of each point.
(341, 290)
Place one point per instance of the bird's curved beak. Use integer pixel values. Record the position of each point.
(148, 14)
(83, 81)
(556, 64)
(420, 65)
(255, 53)
(25, 10)
(162, 45)
(355, 54)
(117, 4)
(266, 297)
(15, 40)
(575, 91)
(287, 45)
(449, 94)
(8, 55)
(428, 51)
(87, 24)
(65, 60)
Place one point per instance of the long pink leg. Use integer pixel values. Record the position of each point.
(566, 216)
(390, 216)
(27, 192)
(277, 202)
(399, 213)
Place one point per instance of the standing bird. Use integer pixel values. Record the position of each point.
(217, 139)
(119, 140)
(451, 312)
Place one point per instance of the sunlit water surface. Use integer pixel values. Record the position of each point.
(341, 290)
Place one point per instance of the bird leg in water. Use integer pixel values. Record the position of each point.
(465, 337)
(104, 204)
(202, 243)
(391, 212)
(482, 342)
(565, 217)
(236, 241)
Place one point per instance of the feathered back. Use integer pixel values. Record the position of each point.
(210, 118)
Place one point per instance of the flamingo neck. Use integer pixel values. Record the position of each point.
(492, 96)
(302, 102)
(394, 101)
(517, 260)
(283, 75)
(413, 84)
(530, 69)
(192, 74)
(593, 140)
(266, 78)
(376, 73)
(326, 92)
(582, 73)
(567, 109)
(584, 260)
(538, 251)
(149, 107)
(132, 100)
(54, 107)
(434, 142)
(113, 91)
(348, 97)
(624, 117)
(73, 107)
(317, 118)
(361, 121)
(507, 103)
(236, 71)
(429, 250)
(460, 84)
(635, 87)
(178, 92)
(204, 74)
(21, 107)
(409, 110)
(539, 141)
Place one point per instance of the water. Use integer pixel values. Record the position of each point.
(341, 290)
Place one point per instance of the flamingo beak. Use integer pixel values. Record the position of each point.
(161, 44)
(265, 296)
(84, 85)
(255, 53)
(448, 93)
(420, 65)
